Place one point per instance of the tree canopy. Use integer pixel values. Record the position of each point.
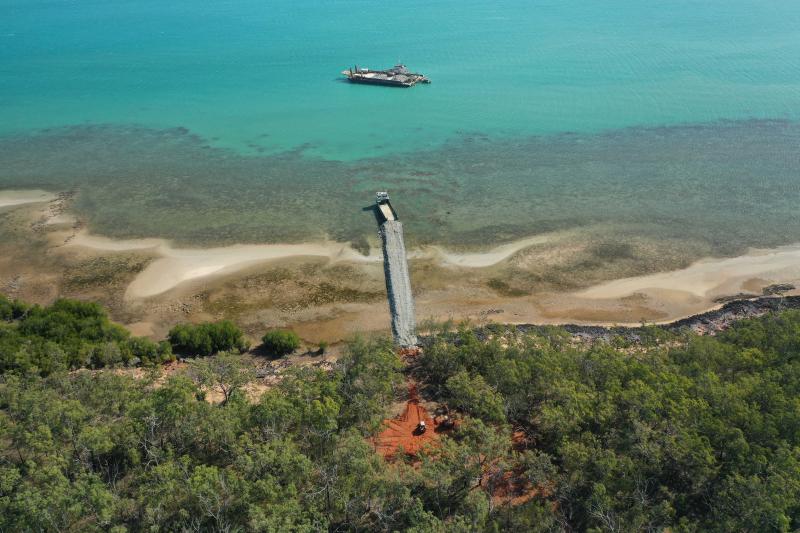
(680, 433)
(699, 433)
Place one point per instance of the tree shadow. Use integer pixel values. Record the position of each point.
(263, 351)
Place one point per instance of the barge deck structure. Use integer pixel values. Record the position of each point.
(397, 76)
(395, 266)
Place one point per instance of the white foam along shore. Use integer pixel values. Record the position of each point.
(178, 265)
(15, 197)
(709, 278)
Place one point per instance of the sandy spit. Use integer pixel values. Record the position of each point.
(709, 278)
(18, 197)
(178, 265)
(487, 258)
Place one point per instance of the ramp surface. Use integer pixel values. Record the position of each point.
(398, 284)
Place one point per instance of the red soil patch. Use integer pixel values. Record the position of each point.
(409, 353)
(519, 441)
(512, 489)
(401, 432)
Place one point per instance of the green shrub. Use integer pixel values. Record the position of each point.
(69, 334)
(473, 395)
(148, 353)
(207, 338)
(71, 321)
(281, 342)
(11, 310)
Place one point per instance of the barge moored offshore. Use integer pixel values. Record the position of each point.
(397, 76)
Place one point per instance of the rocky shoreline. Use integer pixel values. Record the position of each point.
(707, 323)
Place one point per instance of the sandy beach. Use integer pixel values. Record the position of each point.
(482, 259)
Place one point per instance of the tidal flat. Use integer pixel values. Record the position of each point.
(329, 291)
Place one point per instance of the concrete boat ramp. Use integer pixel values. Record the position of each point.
(395, 266)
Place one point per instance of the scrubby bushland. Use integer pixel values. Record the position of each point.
(107, 452)
(683, 433)
(66, 335)
(207, 338)
(691, 434)
(280, 342)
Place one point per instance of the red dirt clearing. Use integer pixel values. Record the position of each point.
(401, 432)
(511, 488)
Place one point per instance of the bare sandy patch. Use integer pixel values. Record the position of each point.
(61, 219)
(177, 266)
(669, 296)
(20, 197)
(141, 329)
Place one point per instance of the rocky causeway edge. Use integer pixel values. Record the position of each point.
(707, 323)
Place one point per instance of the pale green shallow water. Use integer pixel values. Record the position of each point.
(225, 122)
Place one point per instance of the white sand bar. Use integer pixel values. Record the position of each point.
(8, 198)
(178, 265)
(709, 278)
(488, 258)
(704, 279)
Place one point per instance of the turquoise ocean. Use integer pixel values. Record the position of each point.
(229, 121)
